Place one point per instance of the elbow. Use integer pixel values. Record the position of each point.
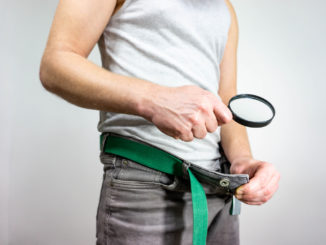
(42, 76)
(45, 74)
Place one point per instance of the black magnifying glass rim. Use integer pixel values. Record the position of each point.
(245, 122)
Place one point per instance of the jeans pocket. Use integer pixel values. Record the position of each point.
(130, 174)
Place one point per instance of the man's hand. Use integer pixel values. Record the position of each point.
(185, 112)
(263, 182)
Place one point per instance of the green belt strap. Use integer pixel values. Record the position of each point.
(162, 161)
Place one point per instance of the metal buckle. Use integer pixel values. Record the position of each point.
(185, 166)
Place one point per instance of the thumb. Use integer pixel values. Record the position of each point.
(222, 112)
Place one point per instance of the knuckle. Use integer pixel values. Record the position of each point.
(194, 120)
(187, 138)
(211, 129)
(211, 125)
(267, 192)
(264, 199)
(172, 134)
(179, 131)
(182, 131)
(199, 131)
(200, 104)
(175, 137)
(237, 169)
(204, 134)
(201, 135)
(186, 135)
(203, 106)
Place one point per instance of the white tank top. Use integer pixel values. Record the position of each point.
(171, 43)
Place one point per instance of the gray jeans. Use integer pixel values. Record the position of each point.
(140, 206)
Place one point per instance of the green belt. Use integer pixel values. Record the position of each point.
(162, 161)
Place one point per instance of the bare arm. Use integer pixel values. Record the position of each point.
(65, 71)
(234, 139)
(182, 112)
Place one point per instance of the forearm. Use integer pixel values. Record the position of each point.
(235, 143)
(234, 137)
(181, 112)
(85, 84)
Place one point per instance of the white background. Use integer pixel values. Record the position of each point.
(50, 175)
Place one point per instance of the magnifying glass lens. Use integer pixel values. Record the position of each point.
(251, 110)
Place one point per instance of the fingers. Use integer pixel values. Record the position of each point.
(261, 188)
(262, 195)
(207, 121)
(261, 177)
(198, 112)
(211, 122)
(199, 130)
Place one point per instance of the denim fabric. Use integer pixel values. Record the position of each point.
(140, 206)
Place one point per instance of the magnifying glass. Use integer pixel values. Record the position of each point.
(251, 110)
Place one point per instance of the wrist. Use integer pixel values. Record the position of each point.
(241, 158)
(243, 165)
(146, 105)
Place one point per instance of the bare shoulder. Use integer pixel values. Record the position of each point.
(234, 20)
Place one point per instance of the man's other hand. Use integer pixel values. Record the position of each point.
(264, 179)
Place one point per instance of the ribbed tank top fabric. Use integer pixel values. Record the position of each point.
(171, 43)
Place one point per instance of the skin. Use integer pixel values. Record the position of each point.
(65, 71)
(264, 178)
